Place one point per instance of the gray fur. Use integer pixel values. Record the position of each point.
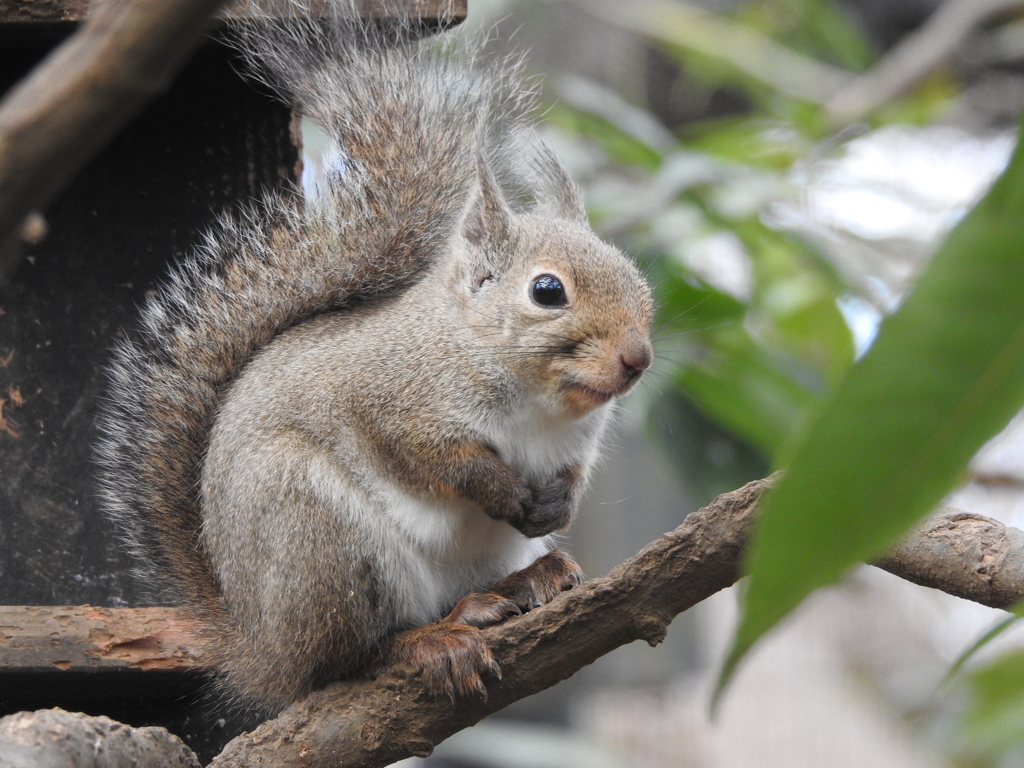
(274, 441)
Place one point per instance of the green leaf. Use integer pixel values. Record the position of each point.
(1016, 614)
(834, 36)
(994, 723)
(989, 635)
(945, 373)
(924, 104)
(796, 301)
(619, 145)
(817, 28)
(756, 141)
(686, 301)
(756, 370)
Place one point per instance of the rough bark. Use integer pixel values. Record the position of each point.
(966, 555)
(87, 638)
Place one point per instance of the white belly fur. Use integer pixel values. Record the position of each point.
(448, 549)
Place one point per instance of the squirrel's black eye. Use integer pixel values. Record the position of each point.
(548, 291)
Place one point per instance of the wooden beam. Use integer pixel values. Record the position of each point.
(29, 12)
(966, 555)
(87, 638)
(42, 11)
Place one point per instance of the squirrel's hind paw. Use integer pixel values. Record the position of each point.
(542, 581)
(453, 658)
(482, 609)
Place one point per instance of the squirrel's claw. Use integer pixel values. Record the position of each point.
(482, 609)
(542, 581)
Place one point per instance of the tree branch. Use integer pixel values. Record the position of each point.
(965, 555)
(46, 639)
(59, 116)
(376, 722)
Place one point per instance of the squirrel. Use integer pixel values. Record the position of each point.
(347, 429)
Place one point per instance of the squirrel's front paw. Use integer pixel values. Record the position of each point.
(453, 659)
(549, 507)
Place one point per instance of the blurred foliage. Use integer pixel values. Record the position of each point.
(751, 327)
(987, 637)
(945, 375)
(817, 29)
(756, 346)
(991, 733)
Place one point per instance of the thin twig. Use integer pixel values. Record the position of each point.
(914, 57)
(741, 46)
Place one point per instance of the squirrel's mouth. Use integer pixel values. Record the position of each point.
(590, 387)
(584, 397)
(597, 395)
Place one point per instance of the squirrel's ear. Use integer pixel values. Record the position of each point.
(555, 192)
(487, 219)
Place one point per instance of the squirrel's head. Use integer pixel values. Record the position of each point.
(565, 312)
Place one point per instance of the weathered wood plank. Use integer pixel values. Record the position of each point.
(42, 11)
(59, 11)
(87, 638)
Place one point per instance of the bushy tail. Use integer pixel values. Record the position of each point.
(410, 124)
(409, 121)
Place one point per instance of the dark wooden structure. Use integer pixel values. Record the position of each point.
(212, 141)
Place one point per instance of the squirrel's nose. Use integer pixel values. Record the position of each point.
(636, 360)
